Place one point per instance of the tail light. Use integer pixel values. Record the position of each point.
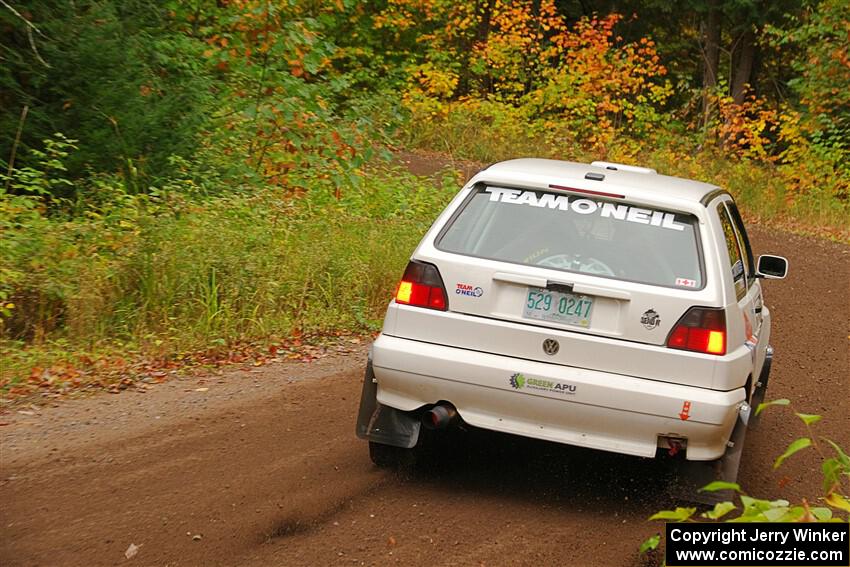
(701, 329)
(422, 286)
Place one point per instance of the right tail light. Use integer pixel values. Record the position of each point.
(701, 329)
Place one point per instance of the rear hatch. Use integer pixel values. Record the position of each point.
(583, 264)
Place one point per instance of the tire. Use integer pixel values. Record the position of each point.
(390, 457)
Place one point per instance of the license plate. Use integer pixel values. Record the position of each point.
(557, 307)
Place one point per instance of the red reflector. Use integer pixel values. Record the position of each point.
(436, 299)
(679, 337)
(587, 191)
(701, 329)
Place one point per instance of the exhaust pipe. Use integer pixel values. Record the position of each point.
(439, 417)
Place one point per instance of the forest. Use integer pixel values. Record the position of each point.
(195, 182)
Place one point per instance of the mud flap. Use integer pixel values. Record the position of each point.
(761, 386)
(693, 475)
(383, 424)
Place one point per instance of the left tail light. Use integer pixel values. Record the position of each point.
(422, 286)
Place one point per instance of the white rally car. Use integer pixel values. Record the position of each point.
(603, 305)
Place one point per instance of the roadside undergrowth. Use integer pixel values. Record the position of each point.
(769, 193)
(166, 282)
(55, 374)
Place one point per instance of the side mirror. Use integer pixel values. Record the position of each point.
(772, 267)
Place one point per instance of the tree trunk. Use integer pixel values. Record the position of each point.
(743, 74)
(711, 27)
(484, 12)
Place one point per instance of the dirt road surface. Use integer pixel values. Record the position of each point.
(263, 468)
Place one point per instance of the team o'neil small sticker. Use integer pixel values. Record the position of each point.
(467, 289)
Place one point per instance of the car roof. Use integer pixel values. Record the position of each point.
(640, 182)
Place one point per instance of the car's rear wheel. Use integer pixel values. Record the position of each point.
(757, 397)
(391, 457)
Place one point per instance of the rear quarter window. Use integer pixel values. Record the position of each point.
(736, 261)
(574, 233)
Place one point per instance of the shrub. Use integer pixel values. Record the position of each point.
(835, 488)
(163, 273)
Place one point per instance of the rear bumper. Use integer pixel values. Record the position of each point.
(569, 405)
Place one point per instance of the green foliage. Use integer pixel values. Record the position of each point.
(836, 486)
(650, 543)
(678, 515)
(164, 273)
(275, 99)
(809, 418)
(720, 485)
(796, 446)
(117, 76)
(46, 176)
(780, 402)
(819, 37)
(720, 510)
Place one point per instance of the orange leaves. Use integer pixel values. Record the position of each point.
(138, 373)
(59, 377)
(518, 45)
(296, 63)
(343, 149)
(525, 52)
(434, 81)
(599, 84)
(747, 129)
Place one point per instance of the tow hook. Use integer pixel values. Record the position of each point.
(674, 446)
(439, 417)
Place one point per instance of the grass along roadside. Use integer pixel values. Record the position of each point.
(169, 287)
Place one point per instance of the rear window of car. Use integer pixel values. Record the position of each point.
(574, 233)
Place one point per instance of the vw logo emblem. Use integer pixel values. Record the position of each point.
(551, 346)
